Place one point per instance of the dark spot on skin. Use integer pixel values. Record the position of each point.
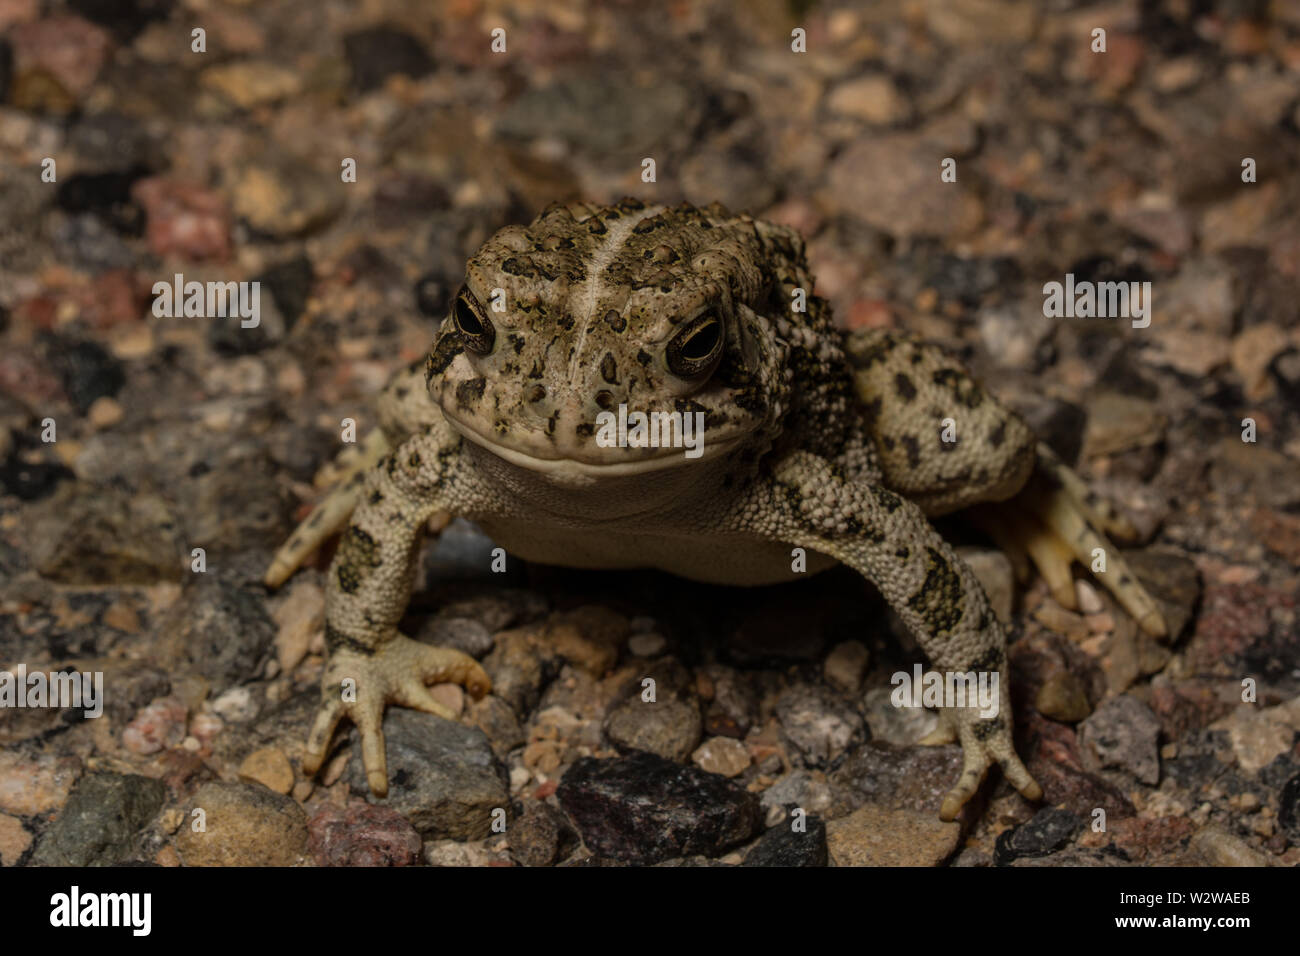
(938, 602)
(376, 496)
(402, 391)
(414, 460)
(987, 728)
(516, 267)
(536, 393)
(888, 442)
(872, 410)
(445, 349)
(906, 390)
(336, 640)
(516, 342)
(585, 430)
(536, 371)
(888, 500)
(596, 227)
(315, 519)
(605, 399)
(615, 321)
(609, 369)
(468, 394)
(644, 357)
(992, 658)
(913, 449)
(998, 435)
(903, 553)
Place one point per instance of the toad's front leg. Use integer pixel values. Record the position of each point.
(809, 503)
(371, 665)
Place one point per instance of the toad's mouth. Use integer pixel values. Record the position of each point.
(595, 460)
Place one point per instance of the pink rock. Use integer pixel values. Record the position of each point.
(158, 725)
(68, 48)
(362, 835)
(184, 219)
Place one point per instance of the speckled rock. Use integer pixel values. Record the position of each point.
(95, 535)
(101, 821)
(875, 836)
(1122, 733)
(668, 727)
(362, 834)
(819, 724)
(643, 809)
(244, 824)
(541, 835)
(1047, 832)
(443, 777)
(782, 845)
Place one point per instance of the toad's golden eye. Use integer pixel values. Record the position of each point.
(695, 349)
(472, 323)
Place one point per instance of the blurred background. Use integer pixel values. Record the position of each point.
(225, 164)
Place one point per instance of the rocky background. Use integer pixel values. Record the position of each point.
(175, 434)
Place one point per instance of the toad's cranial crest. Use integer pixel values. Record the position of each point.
(812, 440)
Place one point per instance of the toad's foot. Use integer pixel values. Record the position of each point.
(359, 685)
(984, 741)
(1055, 521)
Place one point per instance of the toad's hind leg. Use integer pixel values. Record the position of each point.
(948, 445)
(1056, 495)
(941, 439)
(403, 409)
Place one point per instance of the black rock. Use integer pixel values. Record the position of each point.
(442, 776)
(379, 52)
(1048, 831)
(6, 68)
(289, 283)
(86, 370)
(782, 846)
(125, 18)
(107, 195)
(1288, 814)
(32, 482)
(643, 809)
(100, 821)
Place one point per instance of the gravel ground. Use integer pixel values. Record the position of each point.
(180, 433)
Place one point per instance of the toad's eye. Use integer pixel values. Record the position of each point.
(472, 323)
(695, 349)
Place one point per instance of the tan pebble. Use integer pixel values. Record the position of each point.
(104, 412)
(302, 790)
(123, 617)
(269, 767)
(167, 856)
(171, 819)
(14, 840)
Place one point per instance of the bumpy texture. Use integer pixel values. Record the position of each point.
(666, 310)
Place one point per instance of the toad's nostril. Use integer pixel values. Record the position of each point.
(536, 393)
(605, 399)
